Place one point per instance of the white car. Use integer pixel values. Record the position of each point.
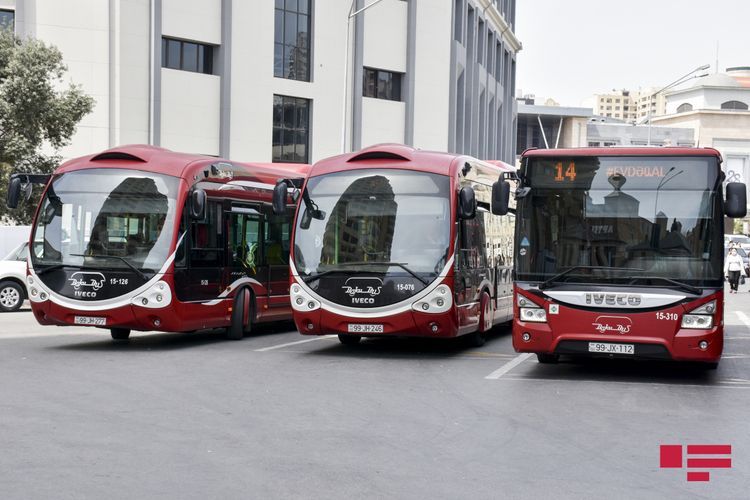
(13, 278)
(741, 239)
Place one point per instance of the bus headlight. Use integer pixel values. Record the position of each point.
(156, 296)
(533, 314)
(303, 301)
(437, 301)
(700, 318)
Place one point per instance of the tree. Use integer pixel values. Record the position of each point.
(36, 110)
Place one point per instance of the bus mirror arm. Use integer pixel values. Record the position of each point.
(735, 204)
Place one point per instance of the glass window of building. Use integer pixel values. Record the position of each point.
(187, 56)
(739, 105)
(291, 129)
(381, 84)
(7, 19)
(291, 57)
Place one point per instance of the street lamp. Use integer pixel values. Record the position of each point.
(352, 14)
(680, 80)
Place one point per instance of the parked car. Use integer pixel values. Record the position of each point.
(745, 257)
(13, 278)
(740, 239)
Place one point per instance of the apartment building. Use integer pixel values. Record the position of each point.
(630, 106)
(285, 80)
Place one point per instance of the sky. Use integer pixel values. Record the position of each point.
(577, 48)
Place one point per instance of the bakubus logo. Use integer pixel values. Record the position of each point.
(86, 284)
(363, 290)
(612, 324)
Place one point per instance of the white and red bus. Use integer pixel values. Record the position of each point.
(142, 238)
(394, 241)
(619, 253)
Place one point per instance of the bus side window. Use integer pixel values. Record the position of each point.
(243, 242)
(207, 238)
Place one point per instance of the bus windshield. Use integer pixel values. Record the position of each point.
(620, 220)
(106, 219)
(380, 221)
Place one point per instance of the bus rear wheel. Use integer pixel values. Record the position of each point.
(120, 333)
(350, 339)
(547, 359)
(240, 310)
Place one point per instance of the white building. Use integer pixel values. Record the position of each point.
(266, 80)
(716, 107)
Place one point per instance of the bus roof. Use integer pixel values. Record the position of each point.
(622, 151)
(187, 166)
(401, 157)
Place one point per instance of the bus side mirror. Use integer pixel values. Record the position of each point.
(467, 203)
(198, 204)
(14, 192)
(279, 198)
(735, 205)
(500, 197)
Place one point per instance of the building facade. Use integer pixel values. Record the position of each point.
(630, 106)
(285, 80)
(717, 108)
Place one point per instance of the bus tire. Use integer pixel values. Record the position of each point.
(547, 359)
(710, 366)
(476, 339)
(350, 339)
(11, 296)
(120, 333)
(485, 316)
(236, 329)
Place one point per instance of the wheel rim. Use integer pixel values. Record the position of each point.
(487, 316)
(9, 297)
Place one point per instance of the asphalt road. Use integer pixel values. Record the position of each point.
(278, 415)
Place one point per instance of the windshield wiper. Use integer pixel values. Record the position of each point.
(557, 277)
(315, 277)
(123, 259)
(55, 267)
(402, 265)
(678, 284)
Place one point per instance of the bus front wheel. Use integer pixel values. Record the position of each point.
(241, 318)
(350, 339)
(120, 333)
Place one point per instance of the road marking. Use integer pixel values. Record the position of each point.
(281, 346)
(744, 318)
(508, 366)
(723, 384)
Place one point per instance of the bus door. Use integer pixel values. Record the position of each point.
(471, 270)
(245, 248)
(199, 277)
(276, 241)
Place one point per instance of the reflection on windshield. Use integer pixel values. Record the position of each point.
(393, 218)
(106, 218)
(640, 213)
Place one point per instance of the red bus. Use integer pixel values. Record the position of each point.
(394, 241)
(619, 253)
(142, 238)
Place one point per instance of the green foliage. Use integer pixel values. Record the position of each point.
(36, 110)
(738, 229)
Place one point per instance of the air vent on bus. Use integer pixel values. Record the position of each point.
(117, 155)
(384, 152)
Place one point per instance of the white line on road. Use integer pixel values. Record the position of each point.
(744, 318)
(508, 366)
(281, 346)
(721, 384)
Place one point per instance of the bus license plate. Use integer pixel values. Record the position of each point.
(611, 348)
(355, 328)
(89, 320)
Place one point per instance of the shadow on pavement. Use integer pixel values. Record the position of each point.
(411, 347)
(622, 370)
(171, 341)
